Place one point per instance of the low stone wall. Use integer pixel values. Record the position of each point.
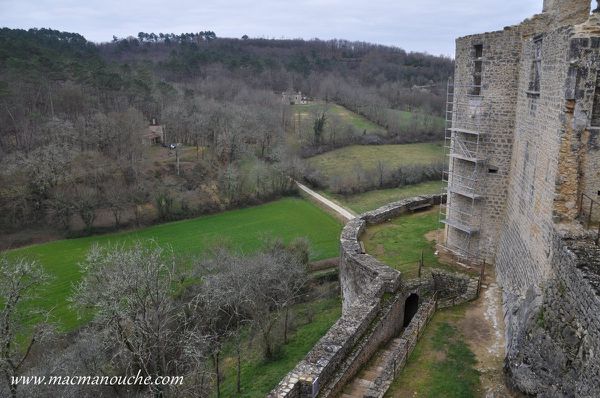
(453, 289)
(395, 362)
(374, 296)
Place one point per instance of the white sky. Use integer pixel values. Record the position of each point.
(415, 25)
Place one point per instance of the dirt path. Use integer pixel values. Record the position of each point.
(346, 214)
(483, 328)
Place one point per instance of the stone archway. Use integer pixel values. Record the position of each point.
(410, 308)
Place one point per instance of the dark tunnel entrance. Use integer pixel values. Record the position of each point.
(410, 308)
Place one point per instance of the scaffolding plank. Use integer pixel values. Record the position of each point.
(464, 193)
(464, 131)
(465, 158)
(460, 226)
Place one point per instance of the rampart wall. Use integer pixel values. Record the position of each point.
(374, 296)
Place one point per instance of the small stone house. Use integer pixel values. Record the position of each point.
(155, 134)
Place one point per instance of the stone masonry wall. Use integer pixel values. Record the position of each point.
(557, 354)
(501, 54)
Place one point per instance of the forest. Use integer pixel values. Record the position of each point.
(73, 115)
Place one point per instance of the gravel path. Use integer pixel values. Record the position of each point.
(346, 214)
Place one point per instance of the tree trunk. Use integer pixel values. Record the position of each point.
(216, 361)
(285, 326)
(239, 369)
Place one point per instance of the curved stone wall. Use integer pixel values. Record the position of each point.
(373, 309)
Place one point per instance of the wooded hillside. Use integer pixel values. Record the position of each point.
(73, 115)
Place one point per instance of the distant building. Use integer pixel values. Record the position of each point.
(288, 97)
(155, 134)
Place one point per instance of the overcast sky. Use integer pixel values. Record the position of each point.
(416, 25)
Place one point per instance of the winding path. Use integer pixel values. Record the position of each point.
(345, 213)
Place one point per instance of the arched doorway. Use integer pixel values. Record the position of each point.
(410, 308)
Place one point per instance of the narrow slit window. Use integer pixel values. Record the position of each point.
(536, 67)
(477, 69)
(595, 122)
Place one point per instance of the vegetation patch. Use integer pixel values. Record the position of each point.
(356, 169)
(344, 161)
(335, 111)
(400, 242)
(442, 364)
(258, 376)
(243, 229)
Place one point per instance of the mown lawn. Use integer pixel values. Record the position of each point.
(258, 376)
(372, 200)
(343, 161)
(243, 229)
(442, 364)
(354, 119)
(399, 243)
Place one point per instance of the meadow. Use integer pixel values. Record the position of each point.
(408, 120)
(355, 120)
(244, 230)
(343, 161)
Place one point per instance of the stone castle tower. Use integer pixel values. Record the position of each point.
(524, 172)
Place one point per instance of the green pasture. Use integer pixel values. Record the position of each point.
(354, 119)
(243, 229)
(343, 161)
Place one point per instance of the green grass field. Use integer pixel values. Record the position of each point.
(407, 120)
(343, 161)
(354, 119)
(399, 243)
(372, 200)
(243, 229)
(442, 364)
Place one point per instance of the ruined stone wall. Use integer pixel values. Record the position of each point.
(373, 309)
(585, 72)
(556, 352)
(523, 257)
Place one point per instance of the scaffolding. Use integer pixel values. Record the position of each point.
(464, 173)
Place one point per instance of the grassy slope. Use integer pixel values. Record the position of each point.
(348, 116)
(372, 200)
(442, 365)
(405, 118)
(243, 229)
(342, 161)
(258, 377)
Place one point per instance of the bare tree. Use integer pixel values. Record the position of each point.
(274, 281)
(131, 292)
(19, 279)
